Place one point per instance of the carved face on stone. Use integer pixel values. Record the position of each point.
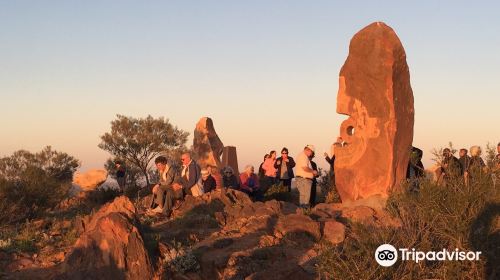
(375, 94)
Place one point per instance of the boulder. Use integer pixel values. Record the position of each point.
(111, 247)
(90, 180)
(334, 231)
(207, 145)
(375, 92)
(297, 224)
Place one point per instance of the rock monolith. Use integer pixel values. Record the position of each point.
(375, 92)
(206, 144)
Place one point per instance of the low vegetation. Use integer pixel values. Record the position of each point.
(435, 218)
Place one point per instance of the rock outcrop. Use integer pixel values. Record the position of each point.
(111, 246)
(207, 145)
(375, 92)
(91, 179)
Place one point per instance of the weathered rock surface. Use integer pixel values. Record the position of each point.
(375, 92)
(91, 179)
(236, 238)
(111, 246)
(334, 231)
(206, 144)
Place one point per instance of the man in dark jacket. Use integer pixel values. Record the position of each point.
(450, 167)
(285, 165)
(314, 166)
(190, 173)
(464, 160)
(415, 171)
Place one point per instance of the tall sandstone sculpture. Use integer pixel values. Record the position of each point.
(375, 92)
(206, 144)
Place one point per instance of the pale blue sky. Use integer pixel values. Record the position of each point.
(263, 70)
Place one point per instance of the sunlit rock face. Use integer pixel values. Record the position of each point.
(375, 92)
(206, 144)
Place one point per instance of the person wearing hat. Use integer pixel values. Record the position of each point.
(304, 175)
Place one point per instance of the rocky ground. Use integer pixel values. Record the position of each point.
(221, 235)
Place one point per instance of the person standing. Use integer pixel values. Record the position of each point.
(415, 171)
(269, 171)
(464, 161)
(304, 175)
(284, 165)
(331, 160)
(477, 167)
(120, 175)
(450, 167)
(190, 173)
(312, 199)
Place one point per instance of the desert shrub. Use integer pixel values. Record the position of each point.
(30, 183)
(326, 184)
(101, 196)
(180, 259)
(278, 192)
(435, 218)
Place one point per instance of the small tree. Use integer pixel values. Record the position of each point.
(139, 141)
(33, 182)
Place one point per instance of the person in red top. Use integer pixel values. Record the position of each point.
(250, 183)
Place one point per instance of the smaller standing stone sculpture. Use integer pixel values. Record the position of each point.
(229, 158)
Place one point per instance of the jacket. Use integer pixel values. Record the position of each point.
(193, 174)
(289, 166)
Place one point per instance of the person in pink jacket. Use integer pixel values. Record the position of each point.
(269, 171)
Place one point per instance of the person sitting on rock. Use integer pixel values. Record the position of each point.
(229, 180)
(190, 173)
(207, 181)
(250, 183)
(168, 190)
(214, 172)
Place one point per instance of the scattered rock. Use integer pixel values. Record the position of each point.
(111, 246)
(91, 179)
(296, 223)
(334, 232)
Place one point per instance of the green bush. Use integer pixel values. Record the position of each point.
(435, 218)
(30, 183)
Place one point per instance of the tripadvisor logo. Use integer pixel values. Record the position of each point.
(386, 255)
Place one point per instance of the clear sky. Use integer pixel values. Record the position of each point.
(265, 71)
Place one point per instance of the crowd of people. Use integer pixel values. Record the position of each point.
(193, 180)
(466, 169)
